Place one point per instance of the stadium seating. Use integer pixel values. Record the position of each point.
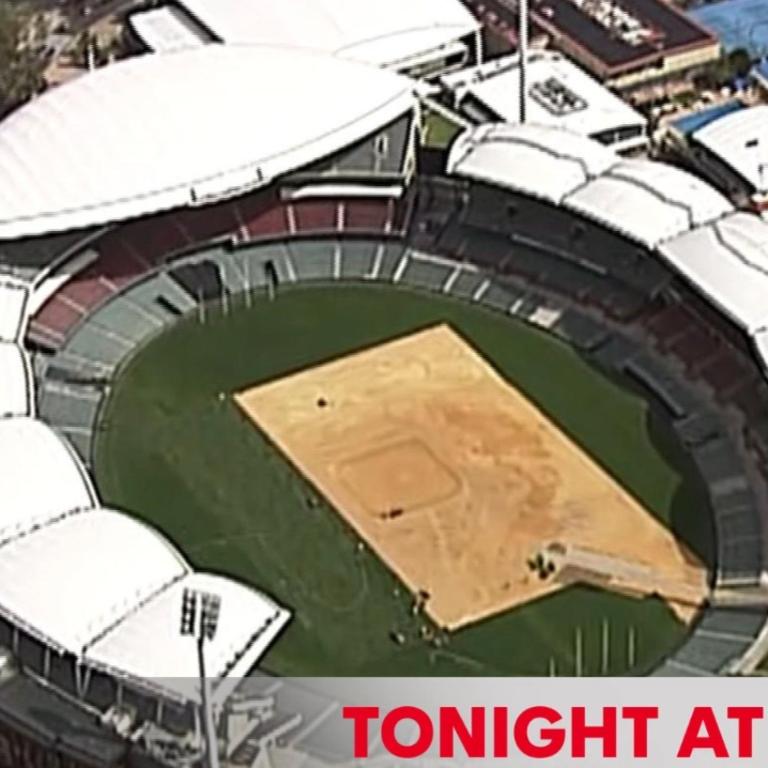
(75, 376)
(577, 281)
(314, 216)
(368, 216)
(261, 218)
(209, 223)
(52, 323)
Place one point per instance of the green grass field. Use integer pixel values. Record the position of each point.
(190, 463)
(439, 131)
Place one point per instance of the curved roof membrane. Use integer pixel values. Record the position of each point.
(382, 34)
(84, 573)
(29, 451)
(157, 132)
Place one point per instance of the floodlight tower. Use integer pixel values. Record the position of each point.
(522, 48)
(200, 619)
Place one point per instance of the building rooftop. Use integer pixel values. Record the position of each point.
(561, 94)
(737, 24)
(622, 34)
(689, 124)
(740, 140)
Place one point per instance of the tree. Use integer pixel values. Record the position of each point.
(740, 62)
(21, 60)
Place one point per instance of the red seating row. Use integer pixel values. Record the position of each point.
(667, 324)
(695, 348)
(314, 216)
(369, 215)
(131, 250)
(54, 319)
(260, 219)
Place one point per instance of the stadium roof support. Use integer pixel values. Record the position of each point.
(78, 155)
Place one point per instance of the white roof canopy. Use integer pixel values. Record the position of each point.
(740, 140)
(495, 84)
(248, 624)
(15, 384)
(728, 260)
(541, 161)
(383, 34)
(103, 586)
(13, 302)
(82, 574)
(644, 200)
(648, 201)
(161, 131)
(41, 477)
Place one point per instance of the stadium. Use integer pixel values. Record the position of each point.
(500, 412)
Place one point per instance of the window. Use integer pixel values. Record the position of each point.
(381, 146)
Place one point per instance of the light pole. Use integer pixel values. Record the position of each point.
(522, 49)
(200, 619)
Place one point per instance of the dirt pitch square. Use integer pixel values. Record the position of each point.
(453, 477)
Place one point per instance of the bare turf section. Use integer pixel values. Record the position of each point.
(455, 479)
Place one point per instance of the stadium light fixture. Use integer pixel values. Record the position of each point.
(200, 619)
(188, 612)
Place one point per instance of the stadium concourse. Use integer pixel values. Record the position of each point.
(144, 192)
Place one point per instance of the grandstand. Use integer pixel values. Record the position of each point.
(685, 223)
(649, 273)
(191, 91)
